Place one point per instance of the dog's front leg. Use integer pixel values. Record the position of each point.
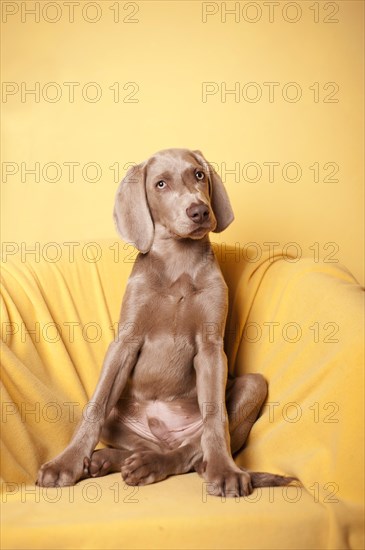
(219, 470)
(68, 467)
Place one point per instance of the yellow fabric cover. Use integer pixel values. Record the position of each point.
(298, 323)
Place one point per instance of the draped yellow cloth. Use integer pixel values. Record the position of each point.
(299, 323)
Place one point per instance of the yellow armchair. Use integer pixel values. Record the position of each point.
(299, 323)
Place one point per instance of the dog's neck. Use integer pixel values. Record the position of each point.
(179, 255)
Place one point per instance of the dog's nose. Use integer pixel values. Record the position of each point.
(198, 213)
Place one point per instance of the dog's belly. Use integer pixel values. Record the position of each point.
(165, 423)
(164, 370)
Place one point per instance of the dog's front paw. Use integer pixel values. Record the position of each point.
(61, 472)
(228, 482)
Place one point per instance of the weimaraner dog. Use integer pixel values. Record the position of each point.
(163, 403)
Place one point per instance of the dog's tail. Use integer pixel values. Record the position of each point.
(262, 479)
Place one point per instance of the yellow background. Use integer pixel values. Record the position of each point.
(169, 52)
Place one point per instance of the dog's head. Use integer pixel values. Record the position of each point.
(176, 188)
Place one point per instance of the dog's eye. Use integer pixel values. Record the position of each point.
(161, 184)
(199, 175)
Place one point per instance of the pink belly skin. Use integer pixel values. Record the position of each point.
(166, 422)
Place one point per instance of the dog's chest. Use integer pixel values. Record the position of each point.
(165, 363)
(174, 307)
(181, 290)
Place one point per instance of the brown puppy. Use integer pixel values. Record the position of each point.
(163, 405)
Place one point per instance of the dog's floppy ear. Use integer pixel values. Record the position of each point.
(218, 196)
(131, 213)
